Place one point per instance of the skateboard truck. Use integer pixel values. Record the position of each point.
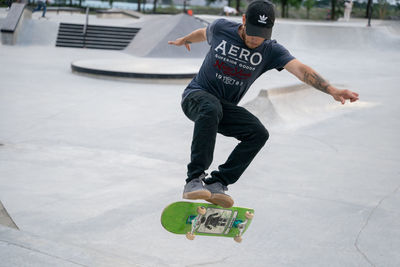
(242, 226)
(195, 222)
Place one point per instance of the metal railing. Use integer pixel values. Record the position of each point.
(85, 27)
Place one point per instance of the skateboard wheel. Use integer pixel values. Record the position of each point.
(238, 239)
(249, 215)
(201, 210)
(190, 236)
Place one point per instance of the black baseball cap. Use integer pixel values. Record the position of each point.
(260, 18)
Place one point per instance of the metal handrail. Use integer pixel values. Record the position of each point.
(85, 27)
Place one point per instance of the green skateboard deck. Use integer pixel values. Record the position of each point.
(193, 218)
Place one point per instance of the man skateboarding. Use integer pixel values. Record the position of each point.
(238, 55)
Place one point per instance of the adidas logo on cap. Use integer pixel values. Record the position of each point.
(263, 19)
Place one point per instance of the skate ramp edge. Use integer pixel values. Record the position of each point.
(298, 105)
(11, 25)
(337, 37)
(138, 68)
(168, 28)
(5, 218)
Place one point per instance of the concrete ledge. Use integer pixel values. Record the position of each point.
(137, 67)
(65, 9)
(11, 25)
(118, 12)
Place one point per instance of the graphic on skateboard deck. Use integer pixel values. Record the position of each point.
(193, 218)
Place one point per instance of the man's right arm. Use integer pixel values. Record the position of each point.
(311, 77)
(196, 36)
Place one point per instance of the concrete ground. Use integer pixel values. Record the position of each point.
(88, 164)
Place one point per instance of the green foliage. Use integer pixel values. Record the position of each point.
(383, 8)
(295, 3)
(207, 10)
(309, 4)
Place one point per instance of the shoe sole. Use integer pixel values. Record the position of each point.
(222, 200)
(200, 194)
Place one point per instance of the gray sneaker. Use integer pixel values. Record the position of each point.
(218, 196)
(195, 189)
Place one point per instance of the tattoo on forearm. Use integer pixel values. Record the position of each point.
(188, 42)
(315, 80)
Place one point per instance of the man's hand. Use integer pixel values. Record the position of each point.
(198, 35)
(343, 95)
(181, 41)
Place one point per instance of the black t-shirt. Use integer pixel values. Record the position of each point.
(230, 67)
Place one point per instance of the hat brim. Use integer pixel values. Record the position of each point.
(262, 32)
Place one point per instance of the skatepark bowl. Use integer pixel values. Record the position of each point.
(94, 145)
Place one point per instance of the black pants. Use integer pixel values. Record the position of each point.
(211, 116)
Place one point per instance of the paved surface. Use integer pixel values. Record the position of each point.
(87, 164)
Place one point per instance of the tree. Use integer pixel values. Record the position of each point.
(238, 6)
(309, 4)
(294, 3)
(154, 6)
(284, 8)
(369, 8)
(333, 11)
(383, 6)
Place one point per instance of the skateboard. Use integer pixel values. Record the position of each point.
(193, 218)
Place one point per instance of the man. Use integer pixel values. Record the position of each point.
(9, 4)
(229, 10)
(41, 5)
(239, 54)
(348, 5)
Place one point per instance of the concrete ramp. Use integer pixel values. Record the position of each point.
(296, 106)
(335, 37)
(11, 25)
(38, 32)
(5, 218)
(152, 40)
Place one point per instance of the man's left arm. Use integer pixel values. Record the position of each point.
(309, 76)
